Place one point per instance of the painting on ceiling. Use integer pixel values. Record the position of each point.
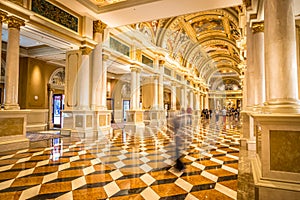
(106, 2)
(208, 25)
(217, 47)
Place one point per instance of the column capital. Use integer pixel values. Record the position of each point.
(14, 22)
(86, 50)
(174, 84)
(247, 3)
(3, 16)
(258, 27)
(99, 26)
(135, 68)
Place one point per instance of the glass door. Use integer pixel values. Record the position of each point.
(58, 104)
(126, 106)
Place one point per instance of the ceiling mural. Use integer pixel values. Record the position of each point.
(105, 2)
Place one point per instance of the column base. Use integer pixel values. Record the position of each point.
(282, 106)
(11, 107)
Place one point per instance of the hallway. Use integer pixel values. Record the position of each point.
(126, 167)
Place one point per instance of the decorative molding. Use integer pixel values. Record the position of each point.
(18, 2)
(99, 26)
(257, 27)
(247, 3)
(14, 22)
(54, 13)
(3, 16)
(86, 50)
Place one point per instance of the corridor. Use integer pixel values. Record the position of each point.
(125, 166)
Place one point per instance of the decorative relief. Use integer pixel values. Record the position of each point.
(52, 12)
(86, 50)
(258, 27)
(14, 22)
(58, 77)
(208, 25)
(79, 121)
(99, 26)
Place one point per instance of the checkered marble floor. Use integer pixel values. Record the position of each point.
(126, 166)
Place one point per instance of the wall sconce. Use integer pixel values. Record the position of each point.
(36, 98)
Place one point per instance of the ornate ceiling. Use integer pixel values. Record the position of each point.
(205, 40)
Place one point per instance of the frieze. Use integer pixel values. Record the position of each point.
(54, 13)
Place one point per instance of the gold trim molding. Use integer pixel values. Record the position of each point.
(99, 26)
(258, 27)
(3, 16)
(14, 22)
(86, 50)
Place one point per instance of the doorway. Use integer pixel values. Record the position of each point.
(58, 105)
(126, 106)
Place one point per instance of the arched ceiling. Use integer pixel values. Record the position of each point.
(205, 40)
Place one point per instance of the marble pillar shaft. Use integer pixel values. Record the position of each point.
(83, 82)
(138, 88)
(192, 99)
(173, 97)
(97, 73)
(280, 52)
(133, 90)
(197, 102)
(201, 101)
(155, 99)
(259, 67)
(161, 89)
(12, 69)
(250, 68)
(103, 85)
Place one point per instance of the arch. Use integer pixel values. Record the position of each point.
(57, 78)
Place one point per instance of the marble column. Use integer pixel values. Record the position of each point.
(83, 80)
(280, 57)
(173, 96)
(182, 106)
(161, 84)
(155, 85)
(191, 100)
(197, 107)
(133, 95)
(201, 101)
(12, 63)
(105, 59)
(3, 16)
(98, 29)
(138, 87)
(258, 64)
(185, 97)
(206, 101)
(250, 69)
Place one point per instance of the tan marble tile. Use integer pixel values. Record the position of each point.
(49, 188)
(8, 175)
(10, 195)
(208, 163)
(232, 184)
(225, 158)
(70, 173)
(126, 184)
(157, 165)
(24, 181)
(190, 168)
(210, 195)
(131, 170)
(8, 162)
(161, 175)
(24, 165)
(132, 162)
(197, 180)
(165, 190)
(81, 163)
(233, 165)
(220, 172)
(89, 194)
(128, 197)
(96, 178)
(44, 169)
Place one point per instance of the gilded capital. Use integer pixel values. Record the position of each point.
(99, 26)
(258, 27)
(86, 50)
(14, 22)
(3, 16)
(162, 62)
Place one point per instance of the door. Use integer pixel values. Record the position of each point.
(126, 106)
(58, 105)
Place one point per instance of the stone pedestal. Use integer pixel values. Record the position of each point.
(135, 122)
(248, 138)
(79, 122)
(196, 117)
(13, 130)
(157, 118)
(103, 122)
(276, 169)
